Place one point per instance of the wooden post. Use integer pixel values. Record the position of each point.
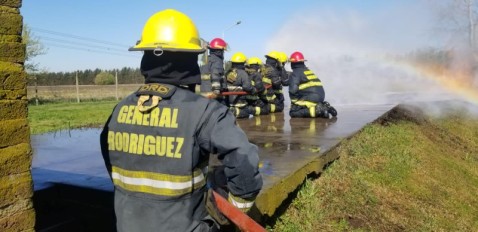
(116, 84)
(77, 89)
(36, 89)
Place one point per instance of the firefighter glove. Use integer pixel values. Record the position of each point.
(212, 209)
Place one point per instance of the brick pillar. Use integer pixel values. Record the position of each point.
(16, 186)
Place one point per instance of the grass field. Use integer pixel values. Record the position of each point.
(400, 177)
(67, 115)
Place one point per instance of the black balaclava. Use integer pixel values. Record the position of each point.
(238, 65)
(217, 52)
(294, 65)
(175, 68)
(255, 66)
(272, 62)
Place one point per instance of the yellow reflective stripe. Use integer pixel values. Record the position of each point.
(273, 108)
(310, 75)
(206, 77)
(239, 105)
(312, 112)
(278, 91)
(258, 110)
(309, 84)
(252, 97)
(271, 97)
(157, 183)
(239, 202)
(267, 81)
(307, 104)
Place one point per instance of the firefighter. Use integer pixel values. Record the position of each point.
(212, 79)
(253, 68)
(238, 80)
(284, 74)
(157, 141)
(273, 75)
(306, 91)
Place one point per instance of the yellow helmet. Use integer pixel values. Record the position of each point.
(283, 57)
(274, 55)
(169, 30)
(254, 60)
(238, 57)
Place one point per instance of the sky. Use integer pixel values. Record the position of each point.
(344, 42)
(96, 34)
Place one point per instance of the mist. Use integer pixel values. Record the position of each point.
(351, 52)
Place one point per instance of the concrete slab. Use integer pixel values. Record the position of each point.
(290, 149)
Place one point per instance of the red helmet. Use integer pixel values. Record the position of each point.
(218, 43)
(297, 57)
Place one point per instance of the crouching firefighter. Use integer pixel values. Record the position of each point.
(271, 74)
(253, 68)
(238, 80)
(306, 91)
(157, 141)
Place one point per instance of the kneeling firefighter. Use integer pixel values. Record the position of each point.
(157, 141)
(238, 79)
(272, 74)
(253, 68)
(306, 91)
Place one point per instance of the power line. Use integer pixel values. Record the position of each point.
(77, 37)
(80, 44)
(87, 50)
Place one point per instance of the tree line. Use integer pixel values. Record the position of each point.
(85, 77)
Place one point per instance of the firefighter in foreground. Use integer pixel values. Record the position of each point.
(157, 141)
(306, 91)
(239, 80)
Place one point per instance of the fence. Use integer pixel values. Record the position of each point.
(79, 92)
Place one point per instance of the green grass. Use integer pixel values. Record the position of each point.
(59, 116)
(400, 177)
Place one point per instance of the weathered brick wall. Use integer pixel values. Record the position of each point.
(16, 186)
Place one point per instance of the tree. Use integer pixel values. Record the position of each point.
(459, 19)
(104, 78)
(33, 48)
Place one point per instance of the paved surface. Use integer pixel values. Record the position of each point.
(290, 149)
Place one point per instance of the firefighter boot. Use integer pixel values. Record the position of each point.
(321, 111)
(332, 111)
